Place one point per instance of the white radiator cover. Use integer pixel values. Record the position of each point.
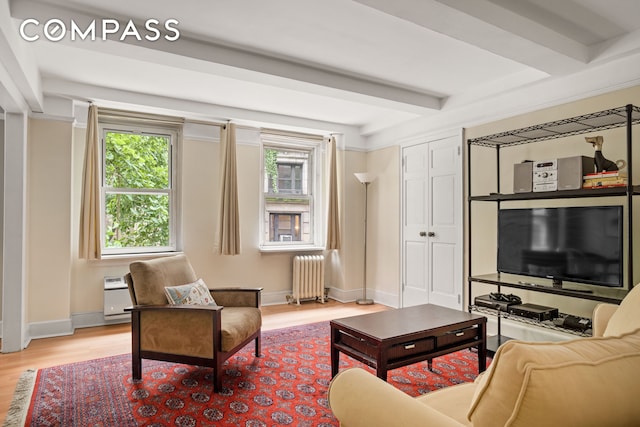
(308, 277)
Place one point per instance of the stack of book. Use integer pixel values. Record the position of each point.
(605, 179)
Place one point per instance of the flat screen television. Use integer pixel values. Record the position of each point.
(577, 244)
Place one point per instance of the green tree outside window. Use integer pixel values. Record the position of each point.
(137, 190)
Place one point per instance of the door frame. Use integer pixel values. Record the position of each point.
(425, 139)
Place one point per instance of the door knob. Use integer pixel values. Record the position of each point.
(431, 234)
(423, 233)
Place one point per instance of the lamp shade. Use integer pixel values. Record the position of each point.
(365, 177)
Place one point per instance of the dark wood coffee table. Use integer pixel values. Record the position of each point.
(390, 339)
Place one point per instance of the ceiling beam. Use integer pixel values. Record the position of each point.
(193, 110)
(628, 44)
(213, 57)
(493, 28)
(20, 78)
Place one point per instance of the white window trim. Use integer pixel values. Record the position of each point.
(318, 148)
(175, 234)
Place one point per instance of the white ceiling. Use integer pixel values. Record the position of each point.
(371, 64)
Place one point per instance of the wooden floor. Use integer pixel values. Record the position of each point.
(104, 341)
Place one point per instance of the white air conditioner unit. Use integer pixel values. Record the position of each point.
(116, 298)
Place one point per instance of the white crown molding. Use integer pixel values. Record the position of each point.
(51, 117)
(596, 80)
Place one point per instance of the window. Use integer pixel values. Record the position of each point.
(284, 227)
(138, 189)
(290, 187)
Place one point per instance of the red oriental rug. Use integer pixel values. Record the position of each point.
(287, 386)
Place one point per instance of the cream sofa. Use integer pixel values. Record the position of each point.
(586, 382)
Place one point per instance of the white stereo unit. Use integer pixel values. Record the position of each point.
(545, 186)
(545, 165)
(545, 176)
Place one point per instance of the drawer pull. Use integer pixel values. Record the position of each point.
(459, 334)
(409, 346)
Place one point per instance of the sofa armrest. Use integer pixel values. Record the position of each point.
(360, 399)
(237, 297)
(601, 315)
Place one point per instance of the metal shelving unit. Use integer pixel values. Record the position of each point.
(542, 324)
(625, 116)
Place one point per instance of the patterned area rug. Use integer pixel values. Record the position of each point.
(287, 386)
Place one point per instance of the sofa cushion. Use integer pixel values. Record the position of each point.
(627, 317)
(195, 293)
(585, 382)
(238, 324)
(449, 400)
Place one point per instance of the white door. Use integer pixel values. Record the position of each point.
(414, 224)
(432, 223)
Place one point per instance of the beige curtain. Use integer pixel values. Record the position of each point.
(90, 247)
(333, 217)
(229, 231)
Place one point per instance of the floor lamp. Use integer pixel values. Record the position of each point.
(366, 179)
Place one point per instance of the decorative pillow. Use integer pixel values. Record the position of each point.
(560, 384)
(195, 293)
(626, 317)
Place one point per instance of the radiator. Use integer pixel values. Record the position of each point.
(308, 277)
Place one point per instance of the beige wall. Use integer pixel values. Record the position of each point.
(1, 207)
(48, 224)
(383, 262)
(483, 181)
(61, 286)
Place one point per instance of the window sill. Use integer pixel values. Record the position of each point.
(132, 256)
(284, 249)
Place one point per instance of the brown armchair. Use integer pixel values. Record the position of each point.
(200, 335)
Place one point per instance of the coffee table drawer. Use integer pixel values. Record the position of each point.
(357, 344)
(410, 348)
(457, 336)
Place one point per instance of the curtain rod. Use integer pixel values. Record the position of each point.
(216, 123)
(294, 134)
(128, 115)
(124, 114)
(269, 131)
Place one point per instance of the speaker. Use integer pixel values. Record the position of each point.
(523, 177)
(571, 171)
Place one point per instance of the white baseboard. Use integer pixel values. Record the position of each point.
(96, 318)
(343, 296)
(385, 298)
(274, 298)
(55, 328)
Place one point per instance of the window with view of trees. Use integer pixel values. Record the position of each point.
(138, 190)
(289, 193)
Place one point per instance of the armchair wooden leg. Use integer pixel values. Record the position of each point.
(136, 360)
(137, 367)
(217, 375)
(258, 346)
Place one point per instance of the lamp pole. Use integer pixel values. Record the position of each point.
(366, 179)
